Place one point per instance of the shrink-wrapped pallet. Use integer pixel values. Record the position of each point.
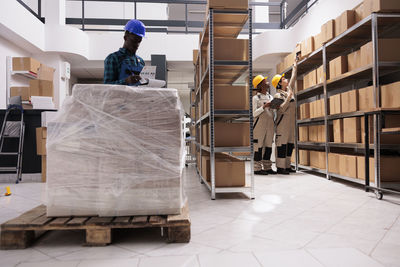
(115, 150)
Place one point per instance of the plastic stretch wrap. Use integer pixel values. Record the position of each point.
(115, 150)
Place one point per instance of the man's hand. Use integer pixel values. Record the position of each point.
(133, 79)
(266, 105)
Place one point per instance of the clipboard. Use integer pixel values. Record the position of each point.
(276, 102)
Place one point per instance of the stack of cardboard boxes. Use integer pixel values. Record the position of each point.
(41, 86)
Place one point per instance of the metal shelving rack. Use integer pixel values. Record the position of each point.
(191, 155)
(359, 34)
(208, 77)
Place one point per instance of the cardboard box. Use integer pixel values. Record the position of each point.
(25, 64)
(227, 134)
(366, 99)
(328, 31)
(344, 21)
(229, 171)
(351, 130)
(391, 121)
(385, 51)
(231, 49)
(318, 159)
(322, 107)
(41, 88)
(349, 101)
(359, 13)
(193, 112)
(333, 163)
(205, 100)
(361, 168)
(307, 46)
(338, 131)
(335, 106)
(288, 61)
(390, 95)
(41, 136)
(238, 97)
(304, 157)
(320, 75)
(195, 56)
(321, 133)
(348, 166)
(313, 133)
(337, 67)
(299, 86)
(45, 73)
(305, 111)
(354, 60)
(390, 169)
(310, 79)
(227, 4)
(24, 92)
(44, 169)
(318, 40)
(280, 67)
(380, 6)
(303, 134)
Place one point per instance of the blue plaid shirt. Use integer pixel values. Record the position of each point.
(112, 65)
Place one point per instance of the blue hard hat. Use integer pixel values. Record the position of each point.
(136, 27)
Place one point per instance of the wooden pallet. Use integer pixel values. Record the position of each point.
(19, 233)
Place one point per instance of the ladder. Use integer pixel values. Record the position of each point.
(12, 129)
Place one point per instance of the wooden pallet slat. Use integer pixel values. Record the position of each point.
(139, 219)
(76, 221)
(40, 221)
(99, 220)
(121, 220)
(60, 221)
(26, 217)
(155, 220)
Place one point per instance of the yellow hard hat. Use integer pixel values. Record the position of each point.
(257, 80)
(277, 78)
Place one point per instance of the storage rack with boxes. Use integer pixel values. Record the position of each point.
(224, 111)
(353, 95)
(190, 141)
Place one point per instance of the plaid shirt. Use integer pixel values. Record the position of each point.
(112, 65)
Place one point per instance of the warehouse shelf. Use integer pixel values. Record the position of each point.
(26, 74)
(312, 145)
(346, 178)
(370, 29)
(223, 23)
(346, 115)
(395, 130)
(311, 121)
(311, 91)
(362, 74)
(227, 149)
(309, 168)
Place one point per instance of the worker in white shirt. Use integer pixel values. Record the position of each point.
(263, 127)
(285, 121)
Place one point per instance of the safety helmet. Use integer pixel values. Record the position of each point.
(136, 27)
(257, 80)
(277, 78)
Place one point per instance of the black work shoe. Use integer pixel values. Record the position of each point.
(282, 171)
(291, 170)
(264, 172)
(270, 171)
(260, 172)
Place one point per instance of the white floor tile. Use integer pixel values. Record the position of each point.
(13, 257)
(52, 263)
(388, 254)
(228, 259)
(94, 253)
(110, 262)
(191, 248)
(171, 261)
(287, 258)
(343, 257)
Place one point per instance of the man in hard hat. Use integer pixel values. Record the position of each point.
(285, 121)
(124, 66)
(263, 128)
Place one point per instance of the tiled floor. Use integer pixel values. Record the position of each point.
(296, 220)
